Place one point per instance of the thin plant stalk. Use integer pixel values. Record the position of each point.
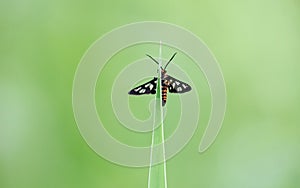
(157, 173)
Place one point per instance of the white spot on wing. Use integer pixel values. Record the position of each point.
(179, 89)
(137, 88)
(142, 91)
(173, 85)
(184, 86)
(151, 86)
(177, 83)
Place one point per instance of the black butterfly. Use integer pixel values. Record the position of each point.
(167, 83)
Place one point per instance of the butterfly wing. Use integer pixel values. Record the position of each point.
(177, 86)
(146, 88)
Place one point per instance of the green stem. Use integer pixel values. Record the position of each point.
(157, 173)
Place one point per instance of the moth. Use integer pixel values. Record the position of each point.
(168, 83)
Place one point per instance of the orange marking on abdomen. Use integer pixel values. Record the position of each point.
(164, 93)
(164, 90)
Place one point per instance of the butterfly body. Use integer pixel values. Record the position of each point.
(168, 84)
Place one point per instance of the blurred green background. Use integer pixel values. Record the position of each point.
(256, 43)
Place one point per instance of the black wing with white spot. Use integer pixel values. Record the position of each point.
(146, 88)
(177, 86)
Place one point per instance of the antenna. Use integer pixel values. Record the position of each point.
(170, 60)
(153, 59)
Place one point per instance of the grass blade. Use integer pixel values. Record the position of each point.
(157, 173)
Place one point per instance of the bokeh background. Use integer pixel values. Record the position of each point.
(256, 43)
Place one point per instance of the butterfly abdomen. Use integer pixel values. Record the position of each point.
(164, 91)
